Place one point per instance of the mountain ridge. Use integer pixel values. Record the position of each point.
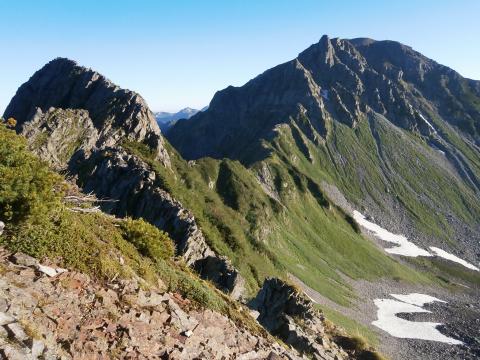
(338, 64)
(166, 120)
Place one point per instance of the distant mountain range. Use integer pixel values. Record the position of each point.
(166, 119)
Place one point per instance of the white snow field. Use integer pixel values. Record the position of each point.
(405, 329)
(451, 257)
(405, 247)
(416, 299)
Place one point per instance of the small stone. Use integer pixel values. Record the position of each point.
(47, 270)
(273, 356)
(12, 353)
(37, 348)
(151, 299)
(255, 314)
(15, 330)
(3, 305)
(180, 318)
(5, 319)
(61, 270)
(2, 226)
(188, 333)
(3, 335)
(24, 260)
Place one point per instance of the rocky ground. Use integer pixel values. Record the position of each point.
(50, 314)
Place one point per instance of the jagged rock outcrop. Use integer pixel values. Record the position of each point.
(333, 80)
(289, 315)
(114, 174)
(116, 113)
(70, 315)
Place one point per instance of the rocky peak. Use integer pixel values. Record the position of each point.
(116, 113)
(333, 80)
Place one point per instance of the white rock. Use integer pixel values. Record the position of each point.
(2, 226)
(37, 348)
(188, 333)
(5, 319)
(255, 314)
(47, 270)
(61, 271)
(18, 332)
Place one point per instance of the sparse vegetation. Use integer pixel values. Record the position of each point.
(147, 239)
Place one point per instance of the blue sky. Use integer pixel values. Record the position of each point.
(178, 53)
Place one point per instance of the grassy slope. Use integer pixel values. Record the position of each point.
(302, 233)
(227, 230)
(414, 175)
(378, 160)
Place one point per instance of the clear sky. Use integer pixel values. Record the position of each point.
(177, 53)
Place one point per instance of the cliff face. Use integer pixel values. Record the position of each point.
(116, 113)
(114, 174)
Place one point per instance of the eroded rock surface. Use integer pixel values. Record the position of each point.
(57, 134)
(72, 316)
(116, 113)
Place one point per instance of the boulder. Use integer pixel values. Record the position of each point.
(289, 315)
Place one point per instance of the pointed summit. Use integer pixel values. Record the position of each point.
(116, 113)
(333, 80)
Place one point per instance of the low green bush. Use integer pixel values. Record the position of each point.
(147, 239)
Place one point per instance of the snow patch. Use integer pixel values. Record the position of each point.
(427, 122)
(451, 257)
(416, 299)
(324, 94)
(405, 329)
(404, 247)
